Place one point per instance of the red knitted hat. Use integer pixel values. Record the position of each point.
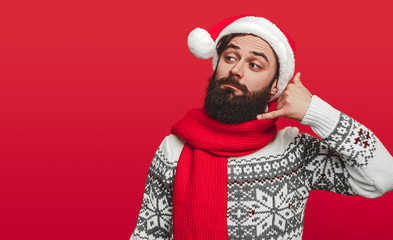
(202, 43)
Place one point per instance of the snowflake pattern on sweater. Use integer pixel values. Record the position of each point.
(155, 217)
(267, 194)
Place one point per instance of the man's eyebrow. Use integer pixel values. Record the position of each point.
(231, 45)
(261, 54)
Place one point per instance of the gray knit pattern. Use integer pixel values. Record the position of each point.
(267, 195)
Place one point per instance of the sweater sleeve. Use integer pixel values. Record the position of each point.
(155, 216)
(349, 159)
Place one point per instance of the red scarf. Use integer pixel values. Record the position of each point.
(200, 186)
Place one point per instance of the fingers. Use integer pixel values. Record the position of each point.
(271, 115)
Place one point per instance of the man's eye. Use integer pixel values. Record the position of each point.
(255, 66)
(229, 58)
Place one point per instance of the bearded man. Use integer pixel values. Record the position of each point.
(226, 172)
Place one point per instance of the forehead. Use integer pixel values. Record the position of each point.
(252, 43)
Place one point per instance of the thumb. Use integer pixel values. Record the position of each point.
(296, 79)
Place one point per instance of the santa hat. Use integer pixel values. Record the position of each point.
(202, 43)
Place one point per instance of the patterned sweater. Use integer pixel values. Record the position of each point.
(268, 189)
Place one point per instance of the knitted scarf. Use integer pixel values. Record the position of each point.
(200, 186)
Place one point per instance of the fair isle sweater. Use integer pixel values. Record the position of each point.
(268, 189)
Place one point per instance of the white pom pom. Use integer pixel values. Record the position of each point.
(201, 44)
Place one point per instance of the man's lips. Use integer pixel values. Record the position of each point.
(231, 86)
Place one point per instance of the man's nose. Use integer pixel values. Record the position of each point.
(237, 69)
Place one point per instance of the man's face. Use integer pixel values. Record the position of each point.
(243, 82)
(249, 59)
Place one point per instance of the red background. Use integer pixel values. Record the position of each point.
(88, 90)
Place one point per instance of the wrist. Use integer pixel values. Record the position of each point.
(321, 117)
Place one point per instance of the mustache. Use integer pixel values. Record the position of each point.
(232, 80)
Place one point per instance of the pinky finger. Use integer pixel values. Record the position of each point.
(270, 115)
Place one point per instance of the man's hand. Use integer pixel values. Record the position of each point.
(292, 103)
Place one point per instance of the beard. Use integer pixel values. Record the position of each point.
(222, 104)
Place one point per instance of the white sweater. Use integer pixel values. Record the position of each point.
(268, 189)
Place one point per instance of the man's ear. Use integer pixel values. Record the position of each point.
(274, 89)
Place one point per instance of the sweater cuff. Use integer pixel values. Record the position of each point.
(321, 117)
